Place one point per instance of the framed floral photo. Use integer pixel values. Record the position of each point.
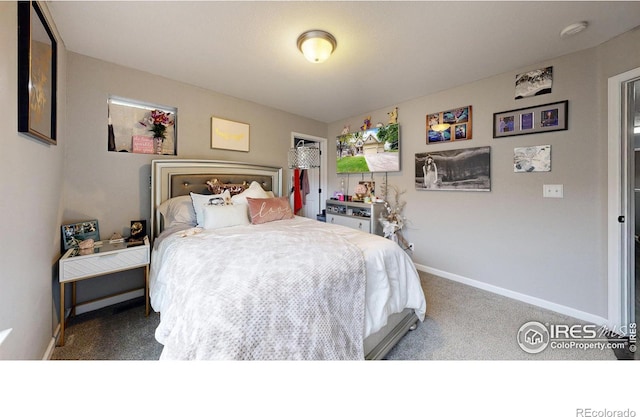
(139, 127)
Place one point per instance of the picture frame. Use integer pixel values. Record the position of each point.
(466, 169)
(138, 231)
(364, 191)
(551, 117)
(532, 158)
(73, 232)
(130, 125)
(366, 151)
(229, 135)
(453, 125)
(37, 74)
(534, 83)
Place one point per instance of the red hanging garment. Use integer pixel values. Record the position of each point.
(297, 196)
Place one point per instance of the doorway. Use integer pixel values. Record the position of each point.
(317, 177)
(633, 111)
(623, 122)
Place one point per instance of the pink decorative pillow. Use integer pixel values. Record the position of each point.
(263, 210)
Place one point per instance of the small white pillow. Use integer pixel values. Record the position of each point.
(200, 201)
(254, 191)
(178, 211)
(216, 217)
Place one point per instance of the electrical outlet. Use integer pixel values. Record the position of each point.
(553, 190)
(411, 247)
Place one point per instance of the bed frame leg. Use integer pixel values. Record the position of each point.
(413, 327)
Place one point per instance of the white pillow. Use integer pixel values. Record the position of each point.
(254, 191)
(216, 217)
(200, 201)
(178, 211)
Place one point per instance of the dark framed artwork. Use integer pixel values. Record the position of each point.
(75, 232)
(449, 125)
(138, 231)
(535, 119)
(37, 74)
(467, 169)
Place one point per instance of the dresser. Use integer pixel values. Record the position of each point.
(356, 215)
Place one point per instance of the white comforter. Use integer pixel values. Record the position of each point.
(392, 283)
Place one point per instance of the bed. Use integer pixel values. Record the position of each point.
(269, 286)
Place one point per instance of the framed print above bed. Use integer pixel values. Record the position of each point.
(535, 119)
(230, 135)
(37, 74)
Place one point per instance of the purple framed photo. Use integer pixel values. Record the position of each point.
(524, 121)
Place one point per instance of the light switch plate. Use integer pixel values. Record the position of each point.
(553, 191)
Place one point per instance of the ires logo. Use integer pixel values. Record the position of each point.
(577, 331)
(534, 337)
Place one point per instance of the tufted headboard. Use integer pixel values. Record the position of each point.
(175, 177)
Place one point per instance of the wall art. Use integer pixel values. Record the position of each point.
(535, 119)
(227, 134)
(457, 169)
(138, 127)
(37, 74)
(372, 150)
(449, 126)
(532, 159)
(534, 83)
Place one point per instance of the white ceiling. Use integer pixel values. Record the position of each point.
(388, 51)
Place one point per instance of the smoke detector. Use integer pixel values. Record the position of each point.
(573, 29)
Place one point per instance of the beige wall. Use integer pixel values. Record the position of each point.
(114, 187)
(512, 238)
(31, 210)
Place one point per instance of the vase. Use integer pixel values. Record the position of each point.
(157, 142)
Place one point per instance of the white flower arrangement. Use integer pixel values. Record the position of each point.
(392, 219)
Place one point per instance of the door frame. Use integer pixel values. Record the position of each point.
(620, 243)
(322, 143)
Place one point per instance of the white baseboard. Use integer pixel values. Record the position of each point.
(52, 345)
(105, 302)
(538, 302)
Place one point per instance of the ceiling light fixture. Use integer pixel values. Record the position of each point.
(573, 29)
(317, 45)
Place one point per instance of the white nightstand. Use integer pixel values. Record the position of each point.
(104, 258)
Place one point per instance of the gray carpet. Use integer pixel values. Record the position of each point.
(462, 323)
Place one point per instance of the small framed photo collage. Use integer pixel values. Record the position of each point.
(535, 119)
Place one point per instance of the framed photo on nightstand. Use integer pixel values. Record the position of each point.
(138, 232)
(74, 232)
